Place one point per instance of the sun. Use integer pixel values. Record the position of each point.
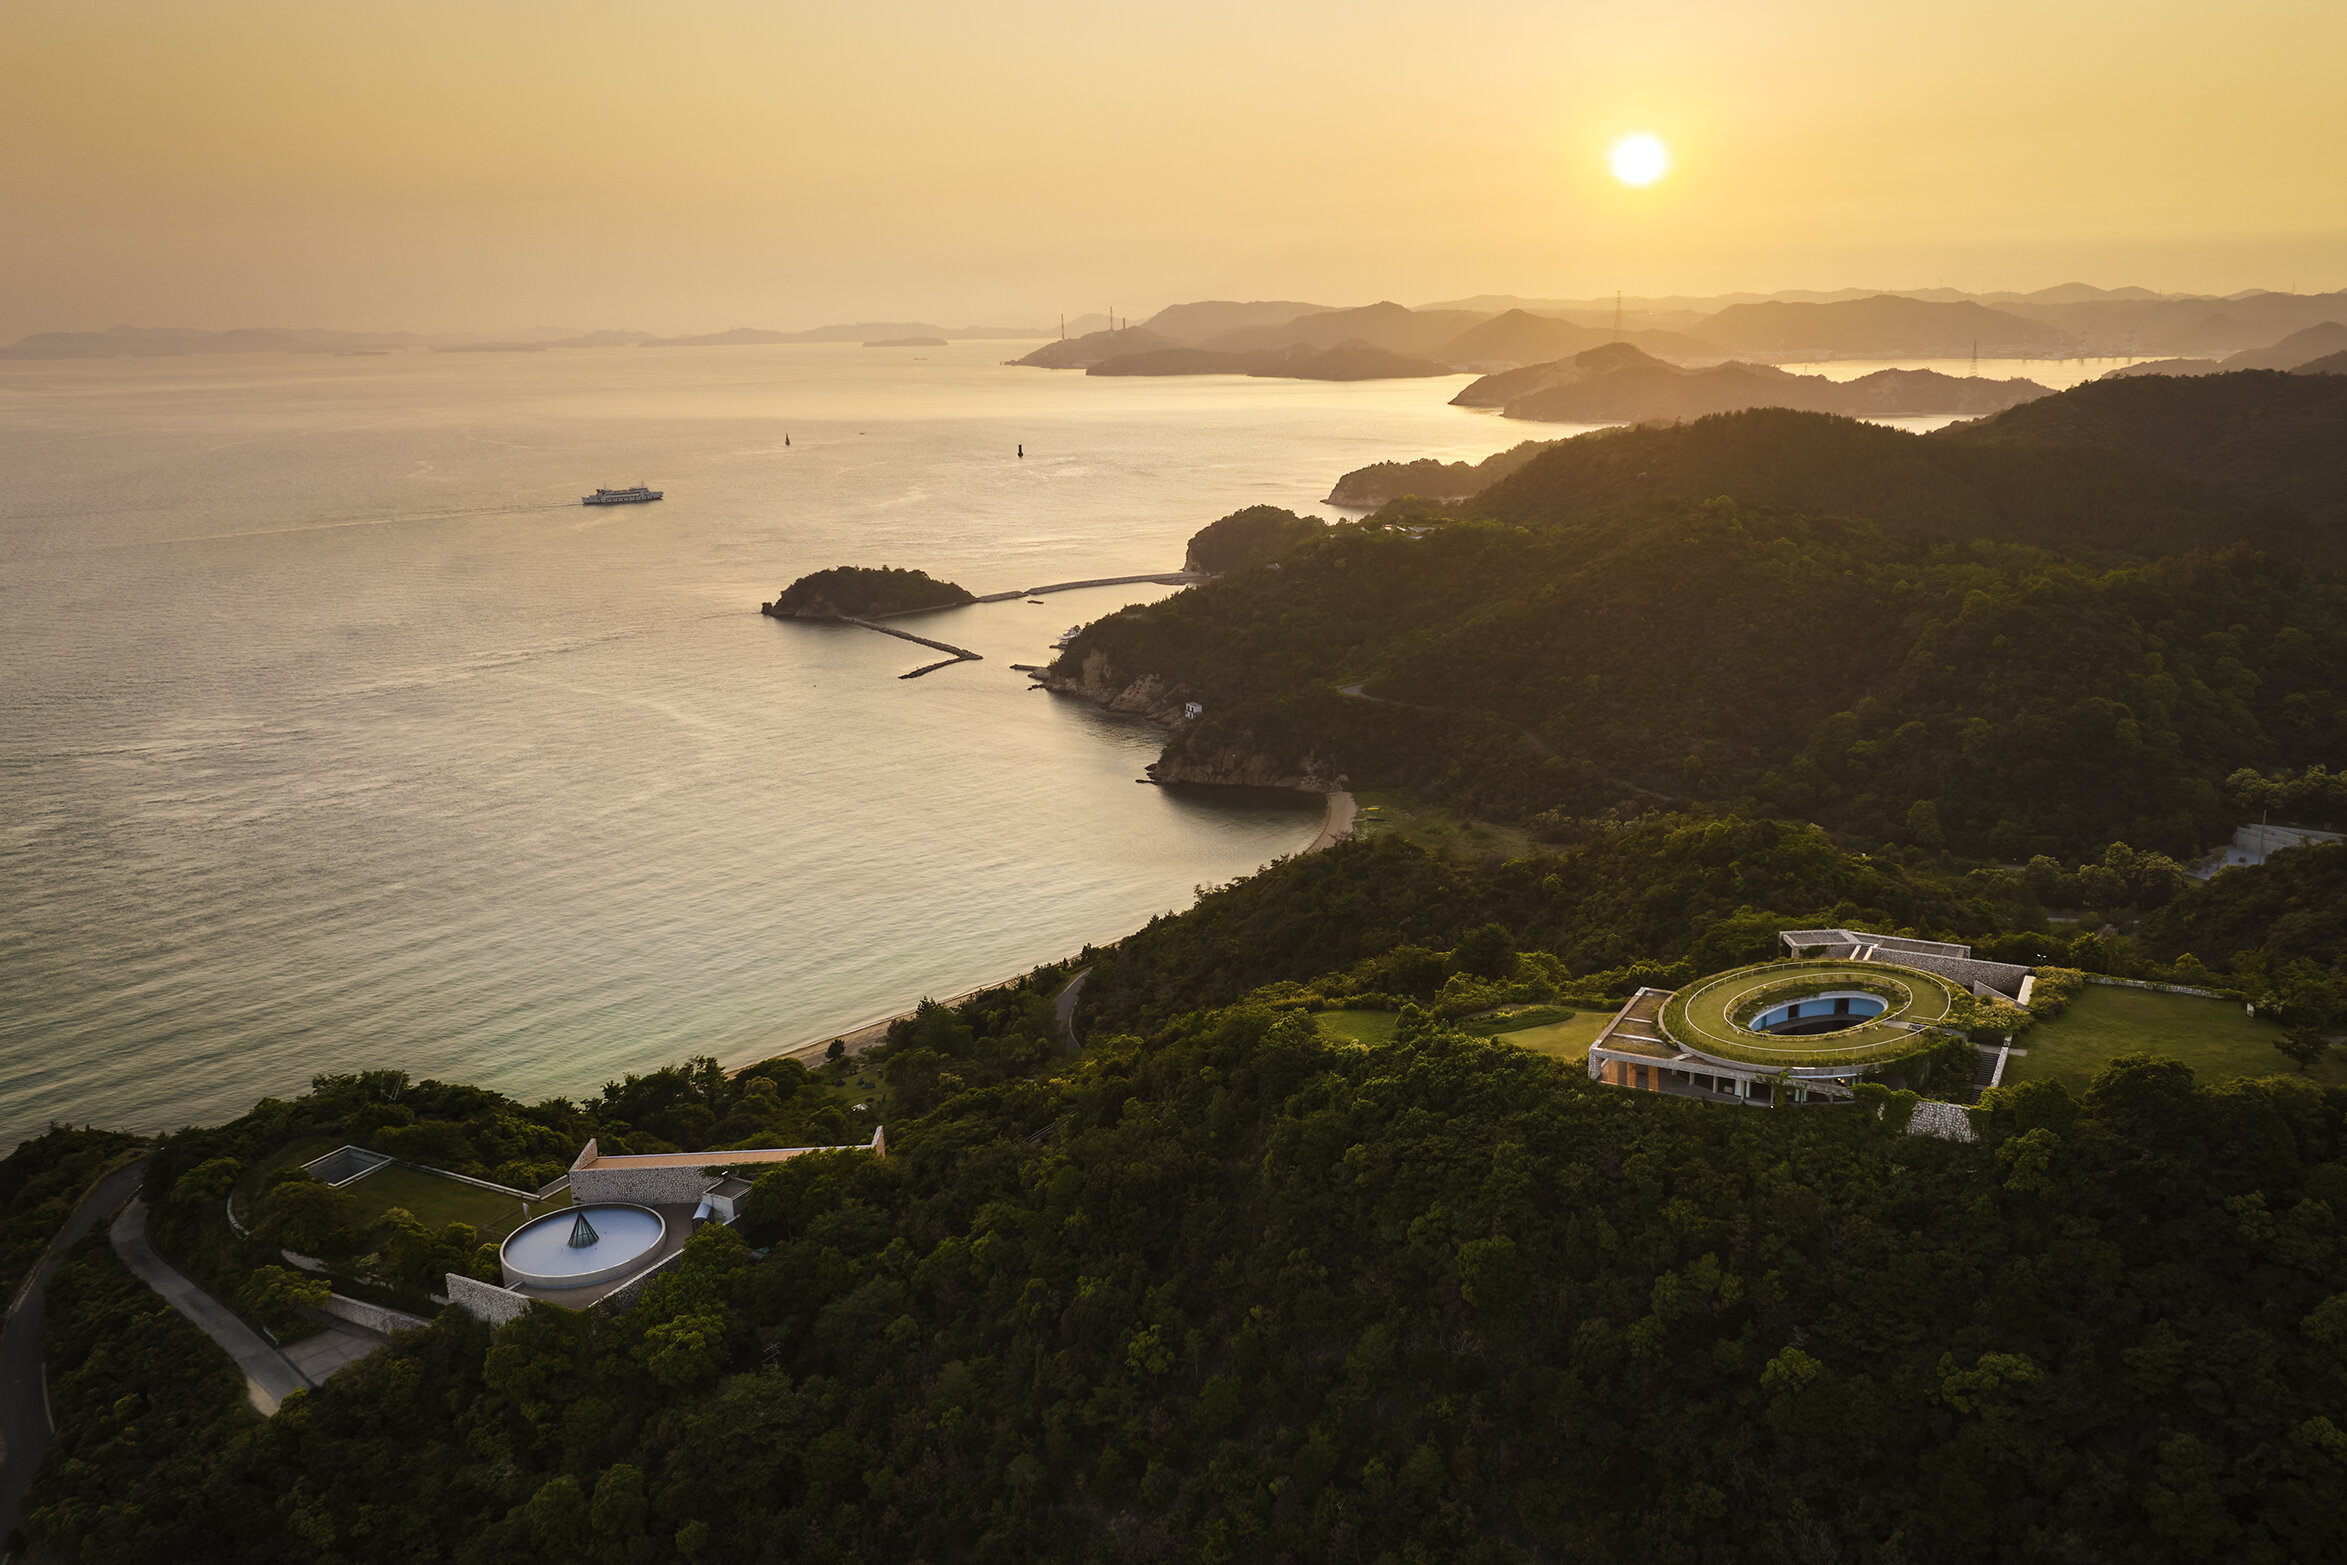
(1639, 160)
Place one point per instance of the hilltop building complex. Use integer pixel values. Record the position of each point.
(1803, 1029)
(629, 1218)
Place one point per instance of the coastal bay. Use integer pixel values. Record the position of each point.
(339, 735)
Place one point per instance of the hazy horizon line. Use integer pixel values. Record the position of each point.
(1009, 319)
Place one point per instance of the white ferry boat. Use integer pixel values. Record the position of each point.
(636, 496)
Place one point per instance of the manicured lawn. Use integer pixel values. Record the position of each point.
(2215, 1037)
(1566, 1040)
(1360, 1026)
(437, 1202)
(1398, 812)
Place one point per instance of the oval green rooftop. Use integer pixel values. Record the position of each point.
(1706, 1017)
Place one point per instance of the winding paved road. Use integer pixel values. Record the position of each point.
(269, 1378)
(24, 1396)
(1064, 1008)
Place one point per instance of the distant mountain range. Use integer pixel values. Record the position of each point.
(2299, 349)
(1350, 360)
(1485, 333)
(1861, 328)
(1494, 331)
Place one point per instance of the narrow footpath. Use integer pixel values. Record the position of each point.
(269, 1377)
(24, 1390)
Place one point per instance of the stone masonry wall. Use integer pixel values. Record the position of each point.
(644, 1186)
(486, 1301)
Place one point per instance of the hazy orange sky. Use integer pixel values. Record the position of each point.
(698, 164)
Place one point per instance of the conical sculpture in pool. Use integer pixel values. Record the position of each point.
(582, 1233)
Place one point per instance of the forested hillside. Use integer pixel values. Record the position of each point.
(1224, 1287)
(2262, 434)
(1998, 646)
(1240, 1291)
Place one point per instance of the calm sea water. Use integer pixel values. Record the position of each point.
(334, 733)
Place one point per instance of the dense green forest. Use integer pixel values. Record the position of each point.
(1255, 536)
(864, 591)
(1223, 1287)
(1993, 647)
(1379, 482)
(2263, 434)
(2279, 931)
(1242, 1292)
(40, 1184)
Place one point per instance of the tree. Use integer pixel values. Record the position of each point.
(1488, 952)
(308, 1215)
(275, 1296)
(2305, 1045)
(837, 1051)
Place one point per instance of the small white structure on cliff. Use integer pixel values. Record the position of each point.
(668, 1193)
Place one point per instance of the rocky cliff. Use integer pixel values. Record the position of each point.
(1195, 754)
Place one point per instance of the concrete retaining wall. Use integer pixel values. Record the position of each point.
(374, 1317)
(486, 1301)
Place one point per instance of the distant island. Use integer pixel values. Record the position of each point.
(1352, 360)
(1093, 347)
(864, 592)
(907, 342)
(1619, 384)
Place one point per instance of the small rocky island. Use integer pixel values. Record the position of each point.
(864, 592)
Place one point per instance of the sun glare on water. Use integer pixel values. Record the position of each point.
(1639, 160)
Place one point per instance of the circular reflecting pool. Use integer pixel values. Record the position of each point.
(578, 1246)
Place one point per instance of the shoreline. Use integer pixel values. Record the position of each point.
(1337, 820)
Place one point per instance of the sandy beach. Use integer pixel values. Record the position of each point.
(1337, 824)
